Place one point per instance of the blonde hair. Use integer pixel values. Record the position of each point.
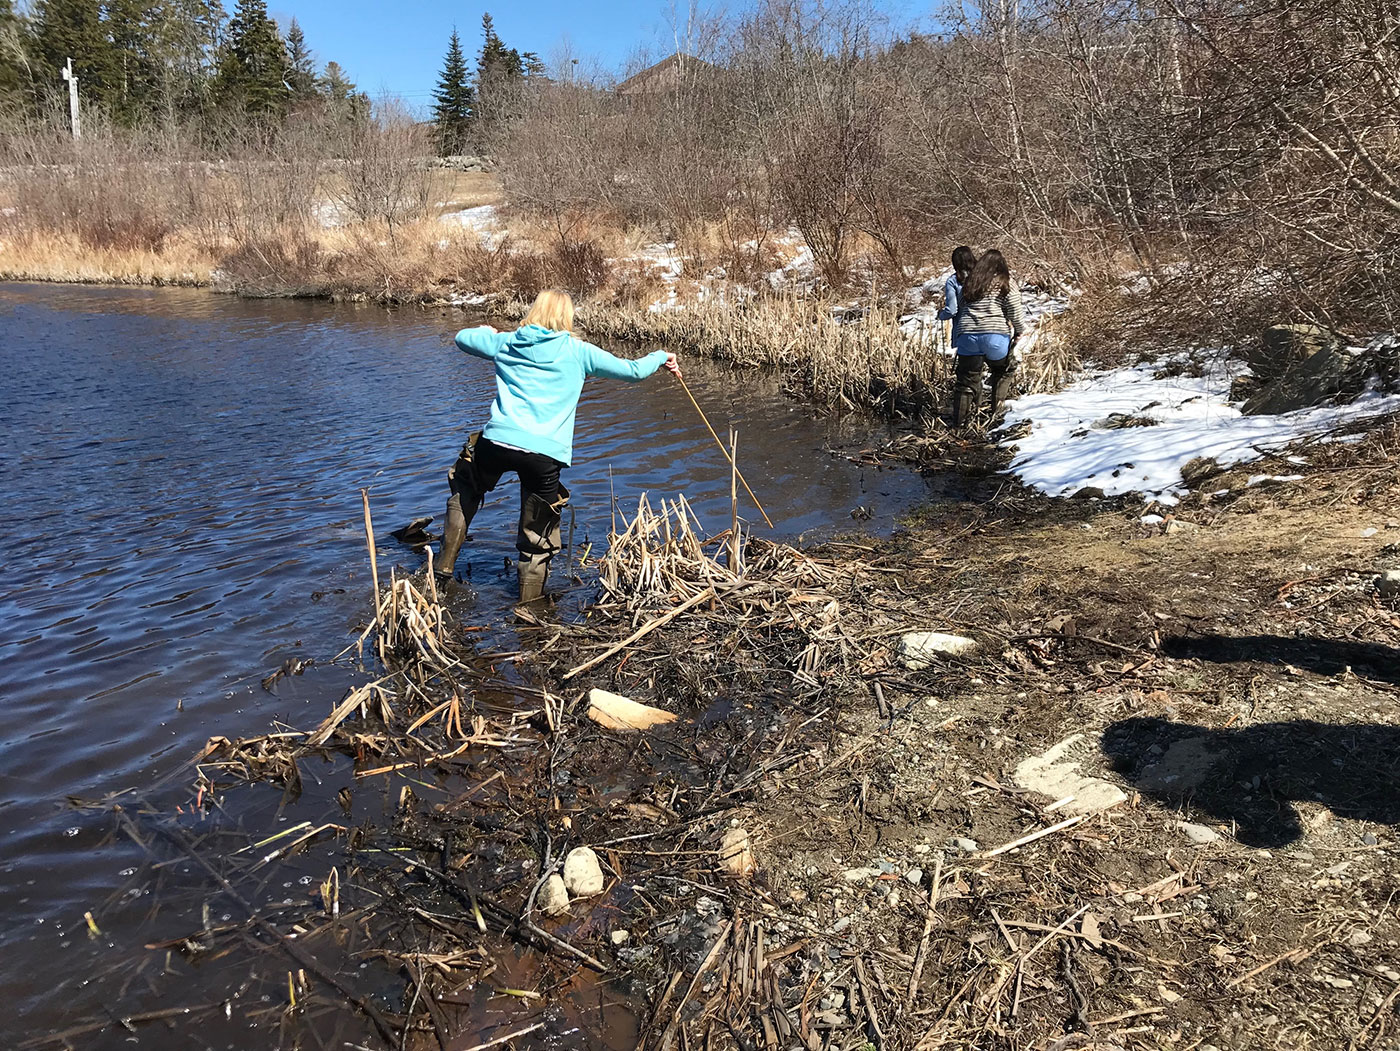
(553, 310)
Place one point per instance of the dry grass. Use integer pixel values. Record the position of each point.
(65, 258)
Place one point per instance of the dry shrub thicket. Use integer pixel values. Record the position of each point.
(1242, 155)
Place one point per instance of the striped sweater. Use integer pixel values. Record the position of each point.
(1000, 315)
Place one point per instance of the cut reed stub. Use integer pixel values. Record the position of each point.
(615, 712)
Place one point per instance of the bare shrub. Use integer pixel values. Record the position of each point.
(577, 266)
(385, 175)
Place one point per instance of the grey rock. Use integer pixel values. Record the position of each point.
(1369, 839)
(554, 896)
(918, 649)
(583, 876)
(1285, 347)
(1388, 583)
(968, 846)
(914, 876)
(1199, 834)
(840, 925)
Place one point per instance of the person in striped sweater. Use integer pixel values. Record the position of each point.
(989, 321)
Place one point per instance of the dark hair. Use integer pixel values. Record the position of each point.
(990, 277)
(964, 259)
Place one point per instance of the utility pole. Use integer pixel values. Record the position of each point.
(72, 79)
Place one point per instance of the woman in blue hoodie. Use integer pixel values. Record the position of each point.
(540, 369)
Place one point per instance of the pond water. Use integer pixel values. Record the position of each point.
(180, 491)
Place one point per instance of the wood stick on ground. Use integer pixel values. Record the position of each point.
(921, 956)
(1292, 955)
(645, 629)
(1033, 836)
(1021, 963)
(722, 449)
(733, 502)
(872, 1012)
(1357, 1041)
(719, 944)
(509, 1036)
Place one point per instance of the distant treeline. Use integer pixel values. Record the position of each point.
(143, 61)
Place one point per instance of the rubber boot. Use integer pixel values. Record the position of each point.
(1002, 375)
(967, 392)
(538, 540)
(462, 506)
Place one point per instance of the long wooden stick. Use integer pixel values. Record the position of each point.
(720, 443)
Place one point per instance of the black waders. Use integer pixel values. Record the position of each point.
(967, 391)
(477, 471)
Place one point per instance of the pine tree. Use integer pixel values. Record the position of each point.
(500, 75)
(140, 65)
(253, 63)
(190, 33)
(453, 100)
(65, 29)
(343, 102)
(14, 56)
(301, 64)
(495, 59)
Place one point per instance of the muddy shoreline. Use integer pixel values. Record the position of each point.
(1233, 680)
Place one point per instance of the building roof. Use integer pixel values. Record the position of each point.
(662, 75)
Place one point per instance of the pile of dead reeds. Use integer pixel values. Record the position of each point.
(658, 569)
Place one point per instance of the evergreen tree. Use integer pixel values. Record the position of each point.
(301, 64)
(139, 63)
(253, 63)
(14, 55)
(65, 29)
(190, 35)
(453, 100)
(495, 59)
(343, 102)
(501, 75)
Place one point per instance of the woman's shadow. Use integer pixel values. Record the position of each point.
(1252, 777)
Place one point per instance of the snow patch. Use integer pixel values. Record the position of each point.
(481, 220)
(1077, 437)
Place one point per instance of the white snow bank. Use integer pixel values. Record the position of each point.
(481, 220)
(330, 215)
(1072, 444)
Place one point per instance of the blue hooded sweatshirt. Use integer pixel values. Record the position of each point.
(539, 377)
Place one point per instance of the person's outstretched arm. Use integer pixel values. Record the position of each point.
(950, 300)
(598, 362)
(482, 342)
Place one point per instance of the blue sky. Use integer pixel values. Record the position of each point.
(397, 48)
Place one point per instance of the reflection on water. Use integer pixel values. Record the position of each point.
(180, 490)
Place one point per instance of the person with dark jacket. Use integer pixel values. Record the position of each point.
(964, 259)
(540, 370)
(990, 319)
